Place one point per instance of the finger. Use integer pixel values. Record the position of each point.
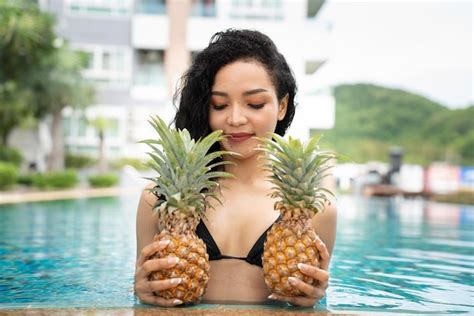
(160, 301)
(151, 249)
(316, 273)
(295, 300)
(154, 265)
(156, 286)
(307, 289)
(324, 253)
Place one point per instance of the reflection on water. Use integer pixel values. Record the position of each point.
(68, 252)
(403, 255)
(391, 255)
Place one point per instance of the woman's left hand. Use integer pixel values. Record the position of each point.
(312, 293)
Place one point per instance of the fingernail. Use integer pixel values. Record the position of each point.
(271, 297)
(292, 280)
(302, 266)
(175, 281)
(163, 243)
(177, 302)
(173, 260)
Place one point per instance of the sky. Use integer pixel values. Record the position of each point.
(425, 47)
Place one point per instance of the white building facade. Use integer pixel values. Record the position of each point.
(127, 41)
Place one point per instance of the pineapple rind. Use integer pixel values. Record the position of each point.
(296, 171)
(185, 184)
(192, 267)
(288, 243)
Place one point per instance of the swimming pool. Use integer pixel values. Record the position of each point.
(391, 255)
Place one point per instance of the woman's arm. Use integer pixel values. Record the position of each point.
(147, 227)
(147, 223)
(325, 224)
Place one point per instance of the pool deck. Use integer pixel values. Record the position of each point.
(22, 196)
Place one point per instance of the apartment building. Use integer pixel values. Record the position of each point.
(138, 49)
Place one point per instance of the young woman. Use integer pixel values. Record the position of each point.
(242, 85)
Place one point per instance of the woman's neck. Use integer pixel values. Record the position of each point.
(248, 171)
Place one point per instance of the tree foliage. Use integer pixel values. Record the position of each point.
(370, 119)
(26, 37)
(40, 75)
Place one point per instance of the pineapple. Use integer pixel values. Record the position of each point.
(297, 170)
(185, 182)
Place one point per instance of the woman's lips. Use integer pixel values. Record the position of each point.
(239, 137)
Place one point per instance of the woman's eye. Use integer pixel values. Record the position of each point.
(257, 106)
(218, 106)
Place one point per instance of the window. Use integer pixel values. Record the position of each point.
(113, 129)
(82, 127)
(108, 64)
(112, 8)
(257, 9)
(151, 6)
(149, 68)
(66, 126)
(204, 8)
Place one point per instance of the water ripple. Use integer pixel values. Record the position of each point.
(391, 255)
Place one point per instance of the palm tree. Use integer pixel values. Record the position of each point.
(101, 124)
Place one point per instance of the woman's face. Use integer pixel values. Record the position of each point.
(244, 104)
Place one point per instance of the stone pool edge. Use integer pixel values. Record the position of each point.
(218, 310)
(22, 197)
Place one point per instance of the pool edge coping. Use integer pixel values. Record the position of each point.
(15, 197)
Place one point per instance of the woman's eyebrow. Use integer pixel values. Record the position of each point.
(254, 91)
(250, 92)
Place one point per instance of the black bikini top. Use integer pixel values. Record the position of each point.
(254, 256)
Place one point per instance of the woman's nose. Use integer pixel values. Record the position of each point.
(237, 116)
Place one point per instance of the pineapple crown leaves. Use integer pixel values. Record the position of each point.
(186, 174)
(297, 170)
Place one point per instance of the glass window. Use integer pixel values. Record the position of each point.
(149, 67)
(206, 8)
(261, 10)
(67, 126)
(105, 63)
(151, 6)
(117, 8)
(82, 127)
(113, 128)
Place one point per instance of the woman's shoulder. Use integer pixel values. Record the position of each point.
(148, 196)
(326, 217)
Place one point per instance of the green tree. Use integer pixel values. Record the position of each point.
(371, 119)
(26, 38)
(60, 84)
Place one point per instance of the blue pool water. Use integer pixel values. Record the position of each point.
(391, 255)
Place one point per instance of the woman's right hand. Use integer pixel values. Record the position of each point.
(144, 288)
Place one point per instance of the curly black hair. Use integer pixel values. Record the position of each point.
(225, 47)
